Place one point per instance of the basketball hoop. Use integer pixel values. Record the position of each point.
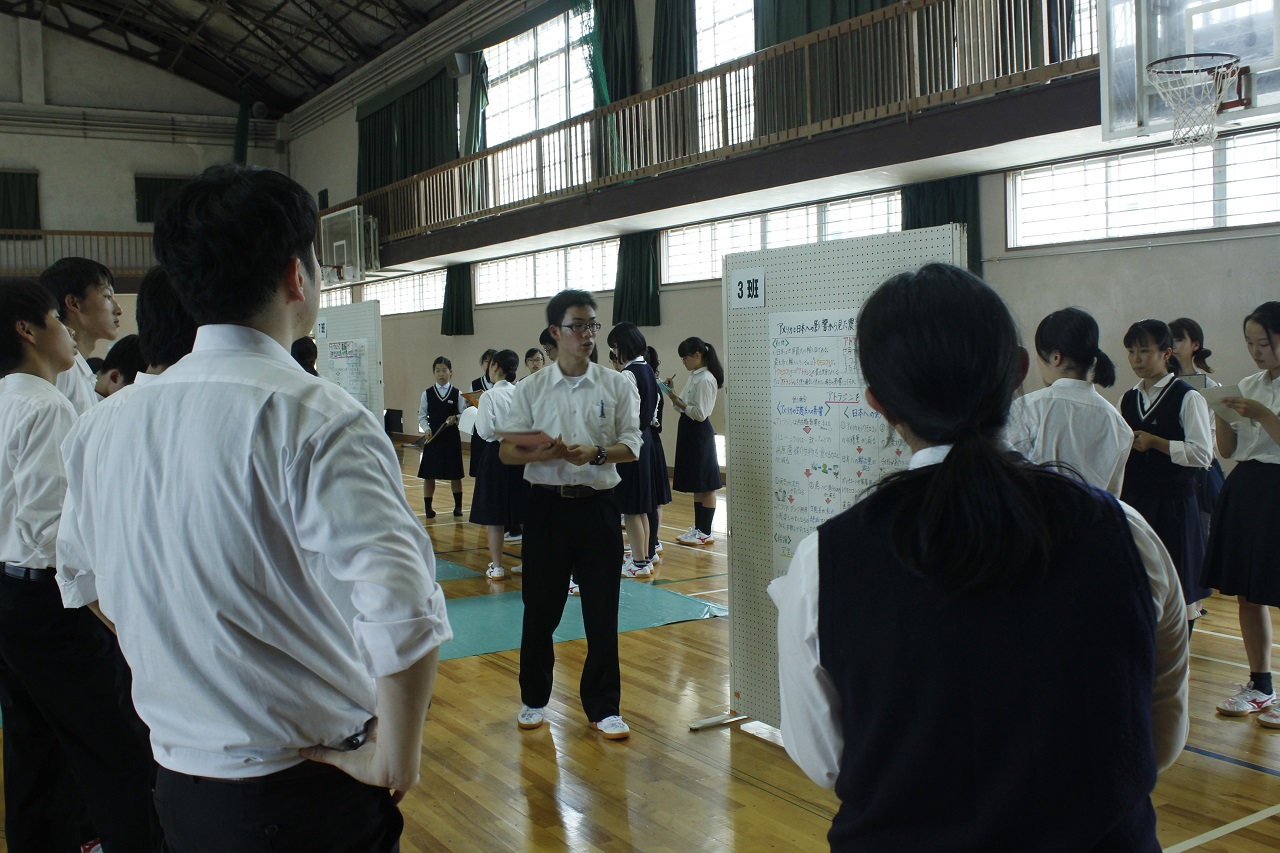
(1193, 85)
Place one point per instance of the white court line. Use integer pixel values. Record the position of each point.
(1230, 637)
(1220, 660)
(704, 592)
(1229, 828)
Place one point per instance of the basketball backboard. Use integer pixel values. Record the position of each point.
(1136, 32)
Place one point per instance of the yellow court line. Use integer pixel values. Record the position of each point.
(1213, 834)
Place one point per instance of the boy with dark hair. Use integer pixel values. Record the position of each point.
(549, 345)
(166, 329)
(84, 291)
(122, 364)
(71, 736)
(571, 525)
(274, 593)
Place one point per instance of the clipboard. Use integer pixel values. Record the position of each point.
(1213, 396)
(472, 397)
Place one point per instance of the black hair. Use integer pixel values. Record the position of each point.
(74, 277)
(651, 356)
(125, 356)
(21, 300)
(440, 359)
(95, 364)
(628, 340)
(979, 518)
(165, 326)
(1266, 315)
(709, 358)
(545, 340)
(305, 352)
(509, 361)
(563, 301)
(1185, 327)
(226, 237)
(1154, 333)
(485, 358)
(532, 351)
(1074, 333)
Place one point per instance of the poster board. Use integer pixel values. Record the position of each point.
(349, 340)
(802, 443)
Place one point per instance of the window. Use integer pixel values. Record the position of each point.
(539, 78)
(408, 293)
(587, 266)
(726, 30)
(147, 192)
(20, 200)
(335, 296)
(696, 252)
(1231, 182)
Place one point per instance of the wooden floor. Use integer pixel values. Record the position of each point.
(487, 786)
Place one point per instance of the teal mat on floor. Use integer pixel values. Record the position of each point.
(491, 623)
(447, 571)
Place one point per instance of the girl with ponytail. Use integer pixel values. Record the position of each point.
(1068, 423)
(1193, 357)
(980, 565)
(697, 468)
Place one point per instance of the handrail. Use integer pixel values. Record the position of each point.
(27, 252)
(898, 60)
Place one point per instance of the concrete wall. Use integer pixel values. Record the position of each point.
(325, 158)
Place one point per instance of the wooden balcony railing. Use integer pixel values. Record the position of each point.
(28, 253)
(898, 60)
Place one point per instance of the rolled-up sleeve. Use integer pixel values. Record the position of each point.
(700, 397)
(627, 416)
(810, 705)
(354, 512)
(1196, 448)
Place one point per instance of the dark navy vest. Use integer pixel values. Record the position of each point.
(1015, 718)
(1151, 469)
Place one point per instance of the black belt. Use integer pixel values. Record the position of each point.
(574, 491)
(24, 574)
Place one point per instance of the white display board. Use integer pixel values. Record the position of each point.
(802, 443)
(349, 340)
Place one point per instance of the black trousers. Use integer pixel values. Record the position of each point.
(579, 537)
(309, 808)
(71, 734)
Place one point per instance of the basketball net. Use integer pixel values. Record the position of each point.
(1193, 86)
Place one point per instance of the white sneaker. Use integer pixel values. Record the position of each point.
(613, 728)
(631, 570)
(690, 537)
(627, 557)
(573, 588)
(657, 550)
(512, 537)
(1246, 701)
(530, 718)
(495, 573)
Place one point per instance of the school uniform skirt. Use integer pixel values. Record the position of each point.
(640, 488)
(1241, 558)
(1173, 512)
(696, 467)
(661, 479)
(501, 494)
(478, 445)
(442, 458)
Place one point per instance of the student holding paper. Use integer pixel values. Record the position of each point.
(1241, 558)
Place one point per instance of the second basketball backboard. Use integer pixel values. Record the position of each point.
(1136, 32)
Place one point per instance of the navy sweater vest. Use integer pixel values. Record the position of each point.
(1015, 718)
(1151, 469)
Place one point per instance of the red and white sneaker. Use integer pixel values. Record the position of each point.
(1246, 701)
(694, 536)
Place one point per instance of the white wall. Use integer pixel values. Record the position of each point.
(325, 157)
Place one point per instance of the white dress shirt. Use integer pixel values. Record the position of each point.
(600, 407)
(700, 394)
(80, 385)
(1071, 422)
(424, 419)
(245, 526)
(34, 419)
(1252, 441)
(493, 408)
(811, 705)
(1196, 448)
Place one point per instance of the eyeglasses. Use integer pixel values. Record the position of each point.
(578, 327)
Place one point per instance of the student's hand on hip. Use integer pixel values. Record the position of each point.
(370, 764)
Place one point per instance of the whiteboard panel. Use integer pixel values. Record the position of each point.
(349, 338)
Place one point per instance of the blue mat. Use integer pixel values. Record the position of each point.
(447, 571)
(491, 623)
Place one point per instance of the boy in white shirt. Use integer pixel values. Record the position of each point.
(85, 293)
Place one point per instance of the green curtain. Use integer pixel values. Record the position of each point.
(782, 20)
(475, 182)
(20, 200)
(147, 192)
(456, 317)
(415, 132)
(943, 202)
(675, 40)
(635, 290)
(240, 148)
(376, 158)
(614, 41)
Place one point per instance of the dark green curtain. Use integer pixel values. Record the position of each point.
(456, 316)
(147, 192)
(240, 149)
(943, 202)
(615, 44)
(635, 291)
(675, 55)
(415, 132)
(475, 182)
(19, 200)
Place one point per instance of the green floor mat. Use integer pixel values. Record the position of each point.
(491, 623)
(447, 571)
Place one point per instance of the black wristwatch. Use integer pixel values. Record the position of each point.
(602, 454)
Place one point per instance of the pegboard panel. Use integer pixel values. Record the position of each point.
(802, 444)
(349, 340)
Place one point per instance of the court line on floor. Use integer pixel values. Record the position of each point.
(665, 581)
(1230, 637)
(1220, 660)
(1226, 829)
